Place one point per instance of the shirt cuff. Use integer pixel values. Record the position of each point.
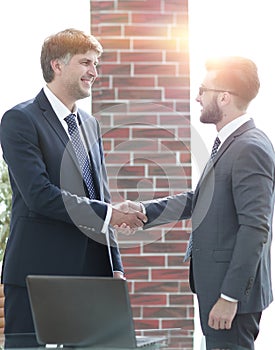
(143, 209)
(228, 298)
(107, 219)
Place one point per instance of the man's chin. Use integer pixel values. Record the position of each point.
(205, 121)
(85, 94)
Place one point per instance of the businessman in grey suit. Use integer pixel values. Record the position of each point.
(231, 210)
(62, 219)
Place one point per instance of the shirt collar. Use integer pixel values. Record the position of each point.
(229, 128)
(59, 108)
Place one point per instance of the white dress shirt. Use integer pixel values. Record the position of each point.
(229, 128)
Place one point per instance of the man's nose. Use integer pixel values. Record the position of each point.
(93, 71)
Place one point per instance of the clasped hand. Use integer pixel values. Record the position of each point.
(127, 217)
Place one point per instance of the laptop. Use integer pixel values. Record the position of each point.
(84, 311)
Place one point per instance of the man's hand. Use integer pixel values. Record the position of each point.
(126, 220)
(119, 275)
(129, 206)
(222, 314)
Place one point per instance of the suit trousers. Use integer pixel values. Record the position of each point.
(19, 327)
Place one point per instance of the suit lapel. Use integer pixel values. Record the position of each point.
(231, 138)
(49, 114)
(91, 139)
(211, 164)
(90, 133)
(51, 117)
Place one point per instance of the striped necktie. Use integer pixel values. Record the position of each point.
(82, 156)
(215, 148)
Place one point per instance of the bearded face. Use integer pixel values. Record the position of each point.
(211, 113)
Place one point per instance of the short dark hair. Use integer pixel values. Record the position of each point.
(236, 74)
(64, 45)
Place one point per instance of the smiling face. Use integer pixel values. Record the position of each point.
(74, 77)
(78, 75)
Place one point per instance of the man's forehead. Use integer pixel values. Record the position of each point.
(91, 55)
(209, 77)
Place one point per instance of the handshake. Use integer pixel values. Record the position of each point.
(128, 217)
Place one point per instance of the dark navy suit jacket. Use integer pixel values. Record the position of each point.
(53, 221)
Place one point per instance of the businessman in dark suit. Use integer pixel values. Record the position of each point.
(231, 209)
(62, 220)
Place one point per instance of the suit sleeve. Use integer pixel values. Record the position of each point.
(165, 210)
(253, 193)
(23, 153)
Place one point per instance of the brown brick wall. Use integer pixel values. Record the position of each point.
(142, 102)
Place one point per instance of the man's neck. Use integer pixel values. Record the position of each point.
(228, 119)
(62, 97)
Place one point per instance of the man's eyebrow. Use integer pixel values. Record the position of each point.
(89, 60)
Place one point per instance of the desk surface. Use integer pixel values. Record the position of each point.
(173, 342)
(28, 341)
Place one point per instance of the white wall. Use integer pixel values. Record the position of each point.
(24, 25)
(237, 27)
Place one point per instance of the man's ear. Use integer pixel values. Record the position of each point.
(224, 98)
(56, 66)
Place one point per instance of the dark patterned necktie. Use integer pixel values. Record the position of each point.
(214, 151)
(215, 148)
(81, 154)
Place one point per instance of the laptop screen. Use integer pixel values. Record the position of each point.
(82, 311)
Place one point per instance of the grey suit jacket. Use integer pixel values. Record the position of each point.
(231, 209)
(52, 220)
